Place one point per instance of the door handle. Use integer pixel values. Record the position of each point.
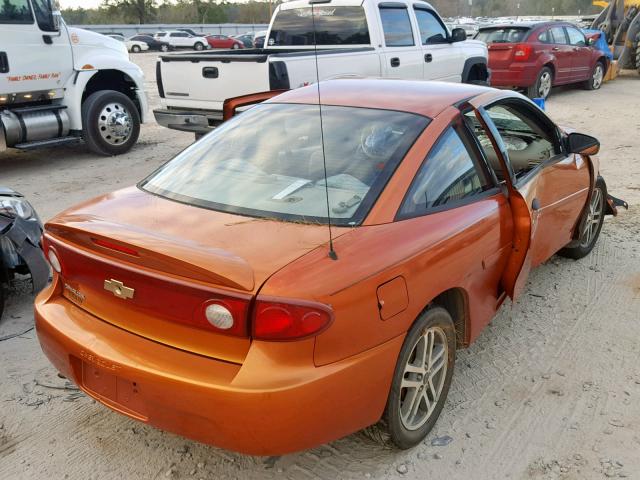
(395, 62)
(210, 72)
(535, 205)
(556, 49)
(428, 58)
(4, 62)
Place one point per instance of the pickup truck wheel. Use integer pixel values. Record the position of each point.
(597, 77)
(198, 46)
(542, 87)
(110, 122)
(590, 224)
(136, 49)
(422, 378)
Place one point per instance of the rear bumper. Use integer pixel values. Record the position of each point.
(199, 122)
(276, 402)
(517, 75)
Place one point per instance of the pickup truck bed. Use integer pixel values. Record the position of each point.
(198, 89)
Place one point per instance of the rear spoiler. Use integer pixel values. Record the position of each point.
(230, 105)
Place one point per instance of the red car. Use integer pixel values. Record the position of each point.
(538, 56)
(222, 41)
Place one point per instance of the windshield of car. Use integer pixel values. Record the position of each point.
(333, 26)
(502, 35)
(268, 162)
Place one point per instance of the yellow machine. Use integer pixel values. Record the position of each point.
(620, 21)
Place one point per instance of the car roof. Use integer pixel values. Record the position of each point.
(423, 98)
(532, 24)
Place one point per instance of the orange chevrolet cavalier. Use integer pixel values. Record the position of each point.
(208, 300)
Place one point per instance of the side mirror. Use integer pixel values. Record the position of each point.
(591, 41)
(582, 144)
(458, 35)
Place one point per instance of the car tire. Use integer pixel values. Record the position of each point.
(164, 48)
(110, 122)
(543, 84)
(235, 46)
(597, 77)
(421, 383)
(136, 49)
(590, 224)
(198, 46)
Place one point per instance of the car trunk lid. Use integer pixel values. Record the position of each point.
(148, 265)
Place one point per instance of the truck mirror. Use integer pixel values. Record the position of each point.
(458, 35)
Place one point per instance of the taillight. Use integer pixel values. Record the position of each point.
(522, 52)
(51, 255)
(278, 319)
(224, 315)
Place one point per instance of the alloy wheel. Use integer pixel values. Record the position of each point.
(423, 378)
(115, 124)
(593, 218)
(544, 85)
(598, 76)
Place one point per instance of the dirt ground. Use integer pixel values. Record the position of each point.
(550, 390)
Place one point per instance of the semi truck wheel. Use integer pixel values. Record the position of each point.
(110, 122)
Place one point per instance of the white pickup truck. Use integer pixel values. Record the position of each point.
(403, 39)
(62, 85)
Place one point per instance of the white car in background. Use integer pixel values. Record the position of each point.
(132, 45)
(180, 39)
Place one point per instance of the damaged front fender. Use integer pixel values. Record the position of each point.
(20, 247)
(611, 207)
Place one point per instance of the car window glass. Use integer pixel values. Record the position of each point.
(449, 174)
(545, 37)
(576, 38)
(15, 11)
(431, 30)
(334, 25)
(397, 27)
(527, 141)
(559, 38)
(272, 162)
(502, 35)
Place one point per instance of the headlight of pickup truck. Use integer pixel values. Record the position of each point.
(17, 207)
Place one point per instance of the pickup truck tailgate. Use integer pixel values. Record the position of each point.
(205, 80)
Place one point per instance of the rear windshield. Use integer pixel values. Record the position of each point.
(333, 26)
(502, 35)
(268, 162)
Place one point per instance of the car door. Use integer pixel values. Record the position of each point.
(547, 188)
(442, 60)
(32, 57)
(562, 51)
(402, 55)
(581, 57)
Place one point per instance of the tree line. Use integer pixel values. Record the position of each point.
(211, 11)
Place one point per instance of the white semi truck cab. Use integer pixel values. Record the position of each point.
(62, 85)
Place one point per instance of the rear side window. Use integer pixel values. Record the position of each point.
(502, 35)
(576, 38)
(161, 34)
(333, 26)
(558, 36)
(397, 27)
(431, 30)
(15, 11)
(179, 34)
(545, 37)
(448, 175)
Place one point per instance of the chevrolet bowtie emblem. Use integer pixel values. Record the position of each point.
(118, 289)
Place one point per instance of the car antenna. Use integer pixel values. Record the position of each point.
(332, 253)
